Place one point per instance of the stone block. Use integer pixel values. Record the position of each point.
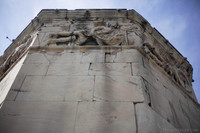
(36, 58)
(160, 103)
(195, 126)
(33, 69)
(125, 57)
(37, 117)
(118, 88)
(110, 69)
(57, 88)
(110, 57)
(68, 69)
(105, 117)
(154, 82)
(66, 57)
(93, 57)
(148, 121)
(194, 111)
(11, 95)
(178, 118)
(139, 70)
(18, 82)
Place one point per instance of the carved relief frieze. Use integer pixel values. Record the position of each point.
(15, 54)
(179, 71)
(112, 33)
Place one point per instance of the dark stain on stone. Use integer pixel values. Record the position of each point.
(132, 82)
(14, 114)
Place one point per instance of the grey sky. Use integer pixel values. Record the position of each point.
(177, 20)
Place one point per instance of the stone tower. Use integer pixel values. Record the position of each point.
(95, 71)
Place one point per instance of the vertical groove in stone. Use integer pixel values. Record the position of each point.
(38, 39)
(75, 117)
(89, 68)
(93, 88)
(126, 38)
(143, 62)
(47, 69)
(136, 122)
(131, 69)
(146, 92)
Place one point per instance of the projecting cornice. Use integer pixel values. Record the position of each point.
(101, 27)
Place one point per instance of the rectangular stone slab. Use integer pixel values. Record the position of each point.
(105, 117)
(33, 69)
(110, 69)
(148, 121)
(57, 88)
(118, 88)
(93, 57)
(37, 57)
(68, 69)
(37, 117)
(67, 57)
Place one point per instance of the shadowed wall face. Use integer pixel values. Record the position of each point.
(96, 71)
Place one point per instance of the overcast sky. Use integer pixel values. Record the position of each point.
(177, 20)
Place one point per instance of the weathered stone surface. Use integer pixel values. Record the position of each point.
(178, 119)
(66, 57)
(56, 88)
(124, 57)
(134, 39)
(93, 57)
(33, 69)
(36, 58)
(37, 117)
(11, 95)
(68, 69)
(105, 117)
(118, 88)
(148, 121)
(110, 56)
(18, 82)
(139, 70)
(193, 115)
(110, 69)
(161, 106)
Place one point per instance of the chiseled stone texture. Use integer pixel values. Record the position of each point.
(118, 69)
(118, 88)
(37, 117)
(68, 69)
(93, 57)
(105, 117)
(56, 88)
(148, 121)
